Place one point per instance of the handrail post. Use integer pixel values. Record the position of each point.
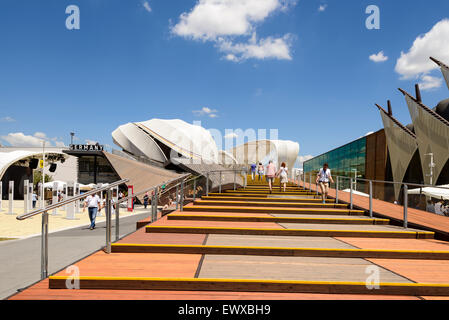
(156, 191)
(117, 221)
(153, 197)
(235, 176)
(194, 189)
(177, 196)
(371, 198)
(336, 189)
(405, 206)
(219, 183)
(44, 246)
(108, 220)
(246, 178)
(207, 183)
(350, 194)
(310, 181)
(181, 200)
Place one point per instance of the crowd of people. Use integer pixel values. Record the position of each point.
(271, 172)
(440, 207)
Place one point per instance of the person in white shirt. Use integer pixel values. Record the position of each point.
(283, 174)
(93, 204)
(323, 177)
(34, 199)
(438, 207)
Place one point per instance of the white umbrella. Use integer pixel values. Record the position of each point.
(356, 192)
(60, 185)
(432, 192)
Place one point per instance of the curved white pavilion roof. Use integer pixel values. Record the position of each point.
(162, 140)
(7, 159)
(265, 150)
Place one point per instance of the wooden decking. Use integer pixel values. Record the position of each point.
(192, 265)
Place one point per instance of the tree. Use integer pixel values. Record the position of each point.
(37, 177)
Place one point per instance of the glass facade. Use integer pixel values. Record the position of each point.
(343, 161)
(95, 169)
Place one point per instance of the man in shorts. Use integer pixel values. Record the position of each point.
(270, 174)
(323, 177)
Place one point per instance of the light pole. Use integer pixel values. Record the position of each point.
(355, 178)
(43, 175)
(72, 134)
(431, 166)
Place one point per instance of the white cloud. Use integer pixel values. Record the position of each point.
(301, 159)
(378, 57)
(147, 7)
(322, 7)
(212, 113)
(19, 139)
(231, 135)
(429, 82)
(88, 141)
(268, 48)
(59, 144)
(415, 64)
(7, 119)
(222, 21)
(40, 135)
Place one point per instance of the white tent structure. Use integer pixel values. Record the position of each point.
(165, 140)
(8, 159)
(433, 192)
(265, 150)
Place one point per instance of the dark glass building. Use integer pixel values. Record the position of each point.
(346, 160)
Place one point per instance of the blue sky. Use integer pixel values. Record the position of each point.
(279, 64)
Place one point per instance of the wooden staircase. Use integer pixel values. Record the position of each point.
(251, 240)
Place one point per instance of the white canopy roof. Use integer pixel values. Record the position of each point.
(191, 141)
(9, 158)
(432, 192)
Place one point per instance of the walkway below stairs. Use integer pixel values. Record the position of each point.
(250, 244)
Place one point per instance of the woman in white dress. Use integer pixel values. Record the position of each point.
(283, 174)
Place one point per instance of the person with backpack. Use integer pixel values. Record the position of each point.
(323, 177)
(283, 174)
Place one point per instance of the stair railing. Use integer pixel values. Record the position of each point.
(386, 192)
(44, 213)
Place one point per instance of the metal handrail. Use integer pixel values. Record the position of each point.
(72, 199)
(109, 207)
(129, 197)
(370, 184)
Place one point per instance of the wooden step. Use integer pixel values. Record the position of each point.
(272, 203)
(244, 285)
(292, 232)
(250, 209)
(258, 195)
(280, 251)
(259, 199)
(278, 219)
(277, 192)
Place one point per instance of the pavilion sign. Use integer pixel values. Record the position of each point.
(86, 147)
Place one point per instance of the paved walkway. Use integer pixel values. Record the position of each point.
(20, 265)
(10, 227)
